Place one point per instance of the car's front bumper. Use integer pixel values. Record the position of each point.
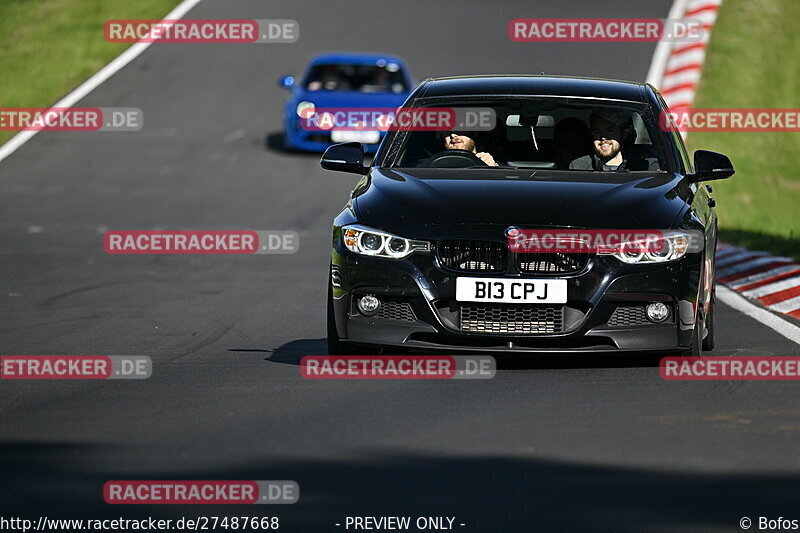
(297, 138)
(594, 295)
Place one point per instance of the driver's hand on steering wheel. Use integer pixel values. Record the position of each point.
(487, 158)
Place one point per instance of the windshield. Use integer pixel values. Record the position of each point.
(556, 133)
(384, 78)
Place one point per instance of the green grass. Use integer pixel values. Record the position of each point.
(48, 47)
(752, 62)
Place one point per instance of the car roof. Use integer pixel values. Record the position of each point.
(354, 58)
(533, 85)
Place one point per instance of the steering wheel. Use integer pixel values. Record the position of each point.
(455, 159)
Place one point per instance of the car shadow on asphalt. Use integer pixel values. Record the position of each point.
(292, 352)
(64, 479)
(276, 142)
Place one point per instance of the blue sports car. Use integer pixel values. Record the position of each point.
(342, 81)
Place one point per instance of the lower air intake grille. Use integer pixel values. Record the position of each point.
(512, 319)
(396, 311)
(629, 315)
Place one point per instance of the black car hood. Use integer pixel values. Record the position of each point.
(434, 203)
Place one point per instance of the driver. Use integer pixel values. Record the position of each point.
(462, 140)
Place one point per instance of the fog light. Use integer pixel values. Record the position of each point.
(657, 312)
(368, 305)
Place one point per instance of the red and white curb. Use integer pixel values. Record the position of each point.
(773, 282)
(685, 63)
(676, 67)
(762, 279)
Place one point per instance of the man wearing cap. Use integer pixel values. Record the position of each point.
(610, 132)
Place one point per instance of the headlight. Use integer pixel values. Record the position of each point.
(305, 109)
(668, 246)
(367, 241)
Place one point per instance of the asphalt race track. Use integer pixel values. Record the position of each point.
(552, 443)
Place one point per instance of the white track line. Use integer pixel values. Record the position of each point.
(741, 304)
(92, 83)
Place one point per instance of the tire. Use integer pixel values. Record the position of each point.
(708, 342)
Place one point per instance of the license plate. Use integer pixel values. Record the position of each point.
(366, 137)
(512, 291)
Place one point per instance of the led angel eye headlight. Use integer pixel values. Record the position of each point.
(371, 243)
(669, 246)
(379, 244)
(631, 253)
(660, 250)
(397, 247)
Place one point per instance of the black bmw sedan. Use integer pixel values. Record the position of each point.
(422, 252)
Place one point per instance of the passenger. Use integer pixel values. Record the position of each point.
(610, 132)
(328, 78)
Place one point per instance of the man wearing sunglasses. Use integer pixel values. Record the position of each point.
(612, 135)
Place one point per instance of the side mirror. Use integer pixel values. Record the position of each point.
(710, 166)
(345, 157)
(287, 82)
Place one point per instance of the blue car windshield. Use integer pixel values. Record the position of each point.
(386, 78)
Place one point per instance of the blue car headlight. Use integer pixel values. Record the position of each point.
(367, 241)
(305, 109)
